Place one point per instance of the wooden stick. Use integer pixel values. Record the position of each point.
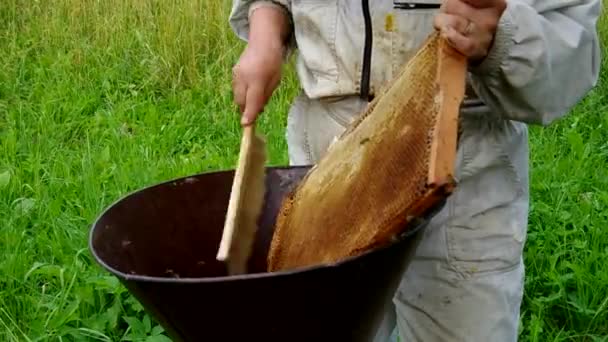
(452, 80)
(245, 204)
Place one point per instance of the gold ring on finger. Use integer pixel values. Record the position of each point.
(469, 28)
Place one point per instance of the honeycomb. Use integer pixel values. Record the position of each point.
(393, 164)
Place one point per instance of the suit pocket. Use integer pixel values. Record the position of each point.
(488, 216)
(315, 23)
(413, 22)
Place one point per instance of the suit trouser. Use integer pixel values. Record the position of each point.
(465, 282)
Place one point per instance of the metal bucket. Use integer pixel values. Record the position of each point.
(161, 243)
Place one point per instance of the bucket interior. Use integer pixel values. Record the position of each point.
(173, 230)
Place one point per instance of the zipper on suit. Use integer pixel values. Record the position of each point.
(367, 53)
(407, 5)
(367, 49)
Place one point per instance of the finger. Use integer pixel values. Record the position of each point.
(459, 8)
(240, 92)
(463, 9)
(443, 20)
(239, 89)
(255, 101)
(458, 41)
(272, 85)
(482, 3)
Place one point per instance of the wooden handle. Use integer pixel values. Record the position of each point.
(234, 203)
(245, 203)
(451, 79)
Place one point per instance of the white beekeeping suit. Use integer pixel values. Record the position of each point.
(466, 281)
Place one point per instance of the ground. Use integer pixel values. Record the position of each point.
(99, 98)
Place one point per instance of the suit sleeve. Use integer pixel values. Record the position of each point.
(242, 9)
(544, 60)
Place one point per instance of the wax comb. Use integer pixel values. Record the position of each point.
(391, 166)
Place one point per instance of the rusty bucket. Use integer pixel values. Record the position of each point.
(161, 243)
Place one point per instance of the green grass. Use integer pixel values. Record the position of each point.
(99, 98)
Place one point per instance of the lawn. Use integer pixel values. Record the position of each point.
(99, 98)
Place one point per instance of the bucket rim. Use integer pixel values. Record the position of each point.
(418, 224)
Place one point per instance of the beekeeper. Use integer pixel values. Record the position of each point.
(530, 62)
